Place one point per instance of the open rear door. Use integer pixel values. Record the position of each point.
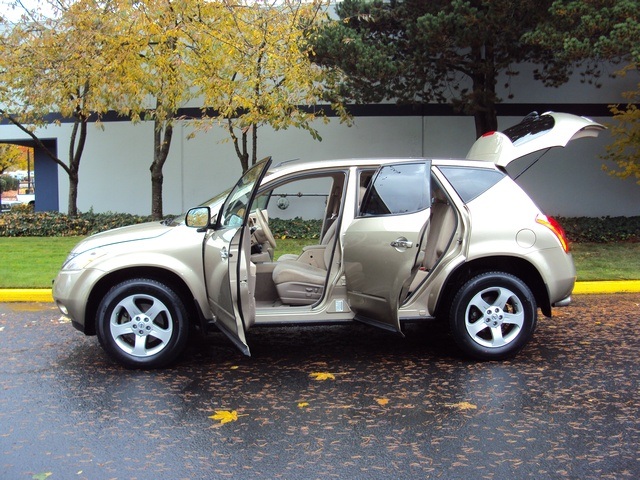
(382, 245)
(534, 133)
(230, 276)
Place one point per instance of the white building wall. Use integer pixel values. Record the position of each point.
(114, 173)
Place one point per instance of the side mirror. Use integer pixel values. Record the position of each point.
(198, 217)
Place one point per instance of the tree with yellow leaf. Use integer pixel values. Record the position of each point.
(153, 85)
(12, 157)
(253, 68)
(92, 57)
(60, 65)
(625, 149)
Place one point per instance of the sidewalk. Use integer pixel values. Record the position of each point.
(622, 286)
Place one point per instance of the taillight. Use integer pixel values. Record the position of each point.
(553, 225)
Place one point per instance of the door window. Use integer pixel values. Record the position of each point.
(469, 182)
(234, 209)
(398, 189)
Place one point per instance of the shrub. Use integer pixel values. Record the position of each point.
(601, 229)
(295, 228)
(17, 223)
(7, 183)
(23, 222)
(22, 208)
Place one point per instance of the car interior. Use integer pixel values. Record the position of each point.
(300, 279)
(440, 232)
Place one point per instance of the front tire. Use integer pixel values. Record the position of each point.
(142, 323)
(493, 316)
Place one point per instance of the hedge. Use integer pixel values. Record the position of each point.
(24, 223)
(295, 228)
(601, 229)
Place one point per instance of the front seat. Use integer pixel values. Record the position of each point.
(327, 239)
(299, 283)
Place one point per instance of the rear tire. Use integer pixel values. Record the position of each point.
(142, 323)
(493, 316)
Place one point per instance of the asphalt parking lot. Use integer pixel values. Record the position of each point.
(326, 402)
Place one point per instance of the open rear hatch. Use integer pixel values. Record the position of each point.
(534, 133)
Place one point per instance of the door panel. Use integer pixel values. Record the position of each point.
(382, 245)
(229, 273)
(220, 266)
(381, 256)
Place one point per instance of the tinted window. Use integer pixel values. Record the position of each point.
(530, 127)
(398, 189)
(471, 182)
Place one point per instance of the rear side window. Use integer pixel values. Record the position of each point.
(398, 189)
(470, 182)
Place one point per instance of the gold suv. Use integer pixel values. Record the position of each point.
(397, 240)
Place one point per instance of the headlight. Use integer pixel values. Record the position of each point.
(82, 260)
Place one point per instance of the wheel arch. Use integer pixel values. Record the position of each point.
(167, 277)
(516, 266)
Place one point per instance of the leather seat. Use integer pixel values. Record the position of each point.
(328, 237)
(299, 283)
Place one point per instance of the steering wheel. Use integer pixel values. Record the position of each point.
(264, 226)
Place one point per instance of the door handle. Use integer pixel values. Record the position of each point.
(401, 243)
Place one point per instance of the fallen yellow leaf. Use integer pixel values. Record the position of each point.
(234, 367)
(225, 416)
(303, 404)
(462, 406)
(323, 376)
(42, 476)
(382, 401)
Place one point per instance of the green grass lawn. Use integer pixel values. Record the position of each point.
(607, 261)
(33, 262)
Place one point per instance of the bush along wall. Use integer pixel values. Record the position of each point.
(54, 224)
(24, 223)
(601, 229)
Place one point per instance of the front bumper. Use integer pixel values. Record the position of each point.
(563, 303)
(71, 291)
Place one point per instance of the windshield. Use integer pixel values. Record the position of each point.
(213, 203)
(216, 201)
(235, 207)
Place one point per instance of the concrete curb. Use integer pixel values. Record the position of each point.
(581, 288)
(627, 286)
(25, 295)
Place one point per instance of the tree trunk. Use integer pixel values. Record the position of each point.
(75, 154)
(72, 205)
(486, 120)
(484, 91)
(254, 144)
(242, 153)
(161, 145)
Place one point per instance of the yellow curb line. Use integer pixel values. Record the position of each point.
(626, 286)
(26, 295)
(613, 286)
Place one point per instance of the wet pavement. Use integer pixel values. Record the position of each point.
(378, 406)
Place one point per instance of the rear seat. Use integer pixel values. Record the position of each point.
(442, 226)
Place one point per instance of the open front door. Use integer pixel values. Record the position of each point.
(230, 276)
(382, 245)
